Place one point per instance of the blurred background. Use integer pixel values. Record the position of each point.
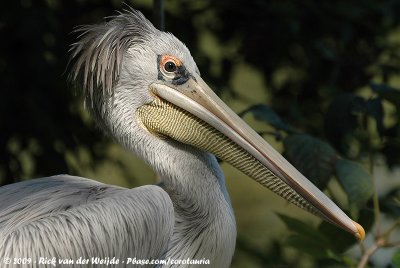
(318, 79)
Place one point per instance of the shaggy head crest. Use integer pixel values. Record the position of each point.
(98, 54)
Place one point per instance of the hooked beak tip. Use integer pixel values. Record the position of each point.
(361, 233)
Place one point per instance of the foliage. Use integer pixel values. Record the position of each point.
(396, 259)
(313, 157)
(329, 76)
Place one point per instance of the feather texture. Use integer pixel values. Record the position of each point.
(98, 55)
(70, 217)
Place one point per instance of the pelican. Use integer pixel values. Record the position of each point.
(144, 90)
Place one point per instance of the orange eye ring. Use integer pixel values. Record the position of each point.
(169, 64)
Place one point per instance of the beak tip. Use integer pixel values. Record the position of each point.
(360, 235)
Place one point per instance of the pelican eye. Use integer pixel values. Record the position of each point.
(171, 69)
(170, 66)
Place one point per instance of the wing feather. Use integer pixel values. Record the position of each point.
(72, 217)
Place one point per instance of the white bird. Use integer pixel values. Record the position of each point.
(144, 89)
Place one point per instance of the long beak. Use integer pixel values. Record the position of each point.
(221, 128)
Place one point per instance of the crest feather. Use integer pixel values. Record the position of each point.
(98, 54)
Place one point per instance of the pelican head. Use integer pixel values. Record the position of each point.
(144, 88)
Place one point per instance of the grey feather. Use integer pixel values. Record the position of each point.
(99, 53)
(72, 217)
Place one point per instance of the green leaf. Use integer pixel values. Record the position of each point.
(264, 113)
(341, 118)
(389, 93)
(313, 157)
(340, 240)
(303, 229)
(356, 182)
(305, 237)
(390, 203)
(396, 259)
(306, 245)
(375, 110)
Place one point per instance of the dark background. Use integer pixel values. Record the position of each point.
(330, 69)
